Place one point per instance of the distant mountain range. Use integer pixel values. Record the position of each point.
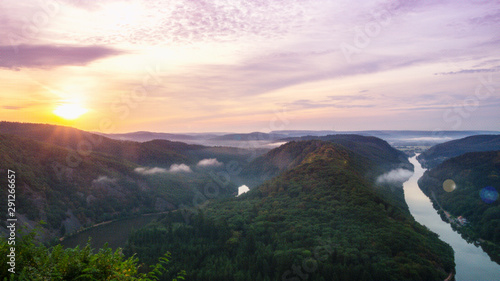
(394, 137)
(143, 136)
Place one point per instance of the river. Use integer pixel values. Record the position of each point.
(472, 263)
(115, 233)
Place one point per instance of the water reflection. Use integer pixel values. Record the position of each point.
(115, 233)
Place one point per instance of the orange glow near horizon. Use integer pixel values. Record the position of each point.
(70, 111)
(180, 66)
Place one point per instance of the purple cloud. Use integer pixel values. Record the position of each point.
(308, 104)
(467, 71)
(275, 72)
(487, 19)
(187, 22)
(11, 107)
(47, 56)
(87, 5)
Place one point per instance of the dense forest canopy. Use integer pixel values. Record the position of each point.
(78, 185)
(316, 209)
(322, 219)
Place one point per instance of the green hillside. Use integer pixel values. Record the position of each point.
(70, 189)
(277, 161)
(440, 152)
(319, 219)
(378, 157)
(477, 179)
(372, 148)
(156, 152)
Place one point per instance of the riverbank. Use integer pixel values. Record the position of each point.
(452, 205)
(115, 233)
(472, 263)
(468, 234)
(107, 222)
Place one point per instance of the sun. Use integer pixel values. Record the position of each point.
(70, 111)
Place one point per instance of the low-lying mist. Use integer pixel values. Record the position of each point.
(396, 176)
(174, 168)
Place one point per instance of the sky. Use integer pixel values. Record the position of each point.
(242, 66)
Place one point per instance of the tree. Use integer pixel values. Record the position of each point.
(34, 261)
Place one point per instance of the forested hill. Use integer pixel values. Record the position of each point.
(148, 153)
(477, 182)
(288, 156)
(320, 219)
(69, 181)
(154, 152)
(440, 152)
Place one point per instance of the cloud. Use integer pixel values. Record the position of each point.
(314, 63)
(487, 19)
(395, 176)
(174, 168)
(488, 63)
(212, 162)
(11, 107)
(48, 56)
(333, 102)
(88, 5)
(276, 71)
(466, 71)
(150, 171)
(230, 55)
(103, 179)
(186, 22)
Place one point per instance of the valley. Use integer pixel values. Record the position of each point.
(324, 207)
(322, 215)
(249, 140)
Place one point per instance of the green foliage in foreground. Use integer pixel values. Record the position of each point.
(34, 261)
(319, 221)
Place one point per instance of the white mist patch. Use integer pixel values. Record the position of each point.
(150, 171)
(243, 189)
(212, 162)
(104, 179)
(395, 176)
(276, 144)
(174, 168)
(430, 139)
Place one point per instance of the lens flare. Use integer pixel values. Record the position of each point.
(489, 194)
(449, 185)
